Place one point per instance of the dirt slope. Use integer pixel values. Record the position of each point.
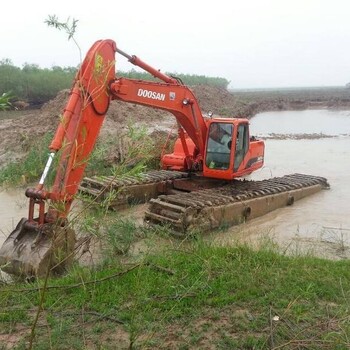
(17, 135)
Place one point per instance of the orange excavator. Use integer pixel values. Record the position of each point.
(208, 155)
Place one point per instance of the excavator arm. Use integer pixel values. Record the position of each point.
(44, 240)
(77, 132)
(94, 87)
(174, 98)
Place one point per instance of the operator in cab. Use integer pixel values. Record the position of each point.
(219, 145)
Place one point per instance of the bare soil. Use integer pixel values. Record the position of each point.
(17, 132)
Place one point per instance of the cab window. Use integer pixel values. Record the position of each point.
(219, 146)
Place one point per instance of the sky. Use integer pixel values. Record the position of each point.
(252, 43)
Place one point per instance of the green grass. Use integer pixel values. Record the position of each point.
(31, 167)
(192, 296)
(139, 154)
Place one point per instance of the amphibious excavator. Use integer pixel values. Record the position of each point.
(196, 188)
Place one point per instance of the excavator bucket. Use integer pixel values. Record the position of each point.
(33, 251)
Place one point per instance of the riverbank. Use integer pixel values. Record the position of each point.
(254, 102)
(186, 296)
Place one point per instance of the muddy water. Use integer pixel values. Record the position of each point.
(13, 206)
(302, 122)
(319, 224)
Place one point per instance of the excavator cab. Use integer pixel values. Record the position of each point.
(230, 152)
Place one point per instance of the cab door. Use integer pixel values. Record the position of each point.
(241, 145)
(218, 158)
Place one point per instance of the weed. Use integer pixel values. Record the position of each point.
(5, 99)
(120, 234)
(335, 236)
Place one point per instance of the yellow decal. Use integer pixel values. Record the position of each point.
(98, 64)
